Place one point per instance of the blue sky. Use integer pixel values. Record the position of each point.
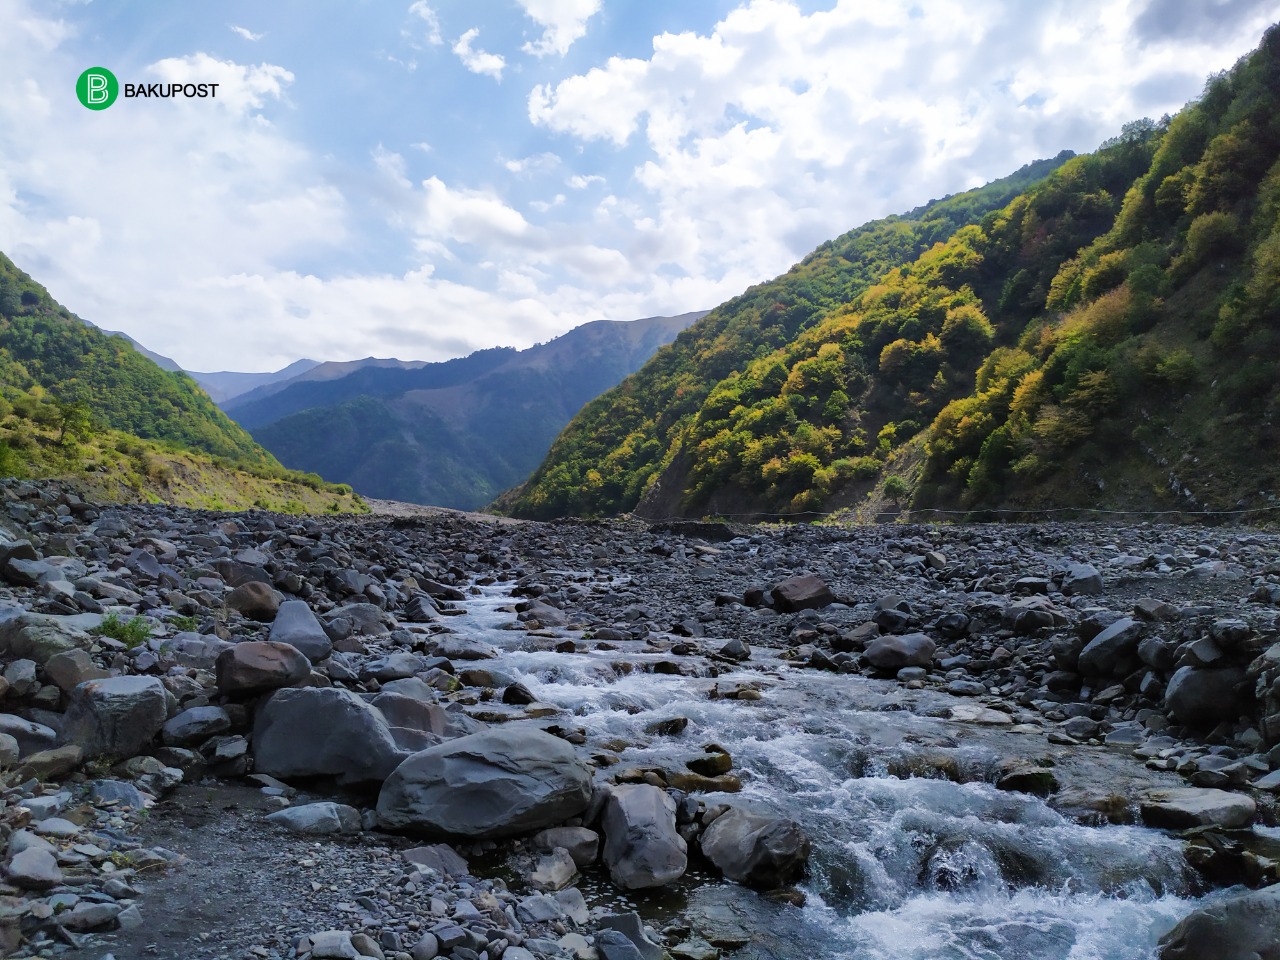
(422, 178)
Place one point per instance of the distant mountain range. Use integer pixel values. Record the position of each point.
(453, 434)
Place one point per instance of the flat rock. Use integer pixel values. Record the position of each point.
(1241, 927)
(35, 868)
(492, 784)
(1183, 808)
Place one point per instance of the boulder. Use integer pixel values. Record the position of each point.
(1202, 697)
(1183, 808)
(116, 716)
(194, 726)
(1245, 926)
(755, 849)
(318, 818)
(38, 637)
(70, 669)
(297, 626)
(32, 737)
(642, 848)
(35, 868)
(1081, 579)
(255, 600)
(805, 592)
(313, 731)
(630, 926)
(583, 844)
(1106, 653)
(256, 666)
(495, 783)
(895, 652)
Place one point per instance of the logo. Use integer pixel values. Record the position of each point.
(97, 88)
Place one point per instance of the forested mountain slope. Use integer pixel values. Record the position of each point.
(618, 444)
(1107, 337)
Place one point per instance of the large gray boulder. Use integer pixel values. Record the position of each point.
(318, 818)
(756, 849)
(896, 652)
(491, 784)
(805, 592)
(195, 725)
(1243, 927)
(1202, 697)
(641, 847)
(117, 716)
(1106, 652)
(297, 626)
(323, 731)
(256, 666)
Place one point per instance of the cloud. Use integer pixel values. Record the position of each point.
(477, 61)
(565, 21)
(580, 182)
(247, 34)
(424, 12)
(1196, 20)
(534, 164)
(241, 87)
(778, 128)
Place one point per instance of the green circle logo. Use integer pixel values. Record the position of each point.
(97, 88)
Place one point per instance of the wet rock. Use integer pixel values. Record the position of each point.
(583, 844)
(1028, 779)
(895, 652)
(492, 784)
(257, 666)
(1201, 697)
(1183, 808)
(630, 926)
(117, 716)
(1242, 927)
(757, 850)
(642, 847)
(297, 626)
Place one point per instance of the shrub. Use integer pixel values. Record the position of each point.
(132, 632)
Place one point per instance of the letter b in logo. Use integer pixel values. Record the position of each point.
(97, 88)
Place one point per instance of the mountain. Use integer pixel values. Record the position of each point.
(452, 434)
(80, 403)
(225, 386)
(329, 370)
(1103, 336)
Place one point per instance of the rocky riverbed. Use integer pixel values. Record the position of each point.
(428, 734)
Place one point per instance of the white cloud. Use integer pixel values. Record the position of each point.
(477, 61)
(536, 163)
(424, 12)
(247, 33)
(580, 182)
(241, 87)
(778, 129)
(564, 22)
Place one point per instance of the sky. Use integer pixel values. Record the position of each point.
(424, 178)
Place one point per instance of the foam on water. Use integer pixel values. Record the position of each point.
(903, 869)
